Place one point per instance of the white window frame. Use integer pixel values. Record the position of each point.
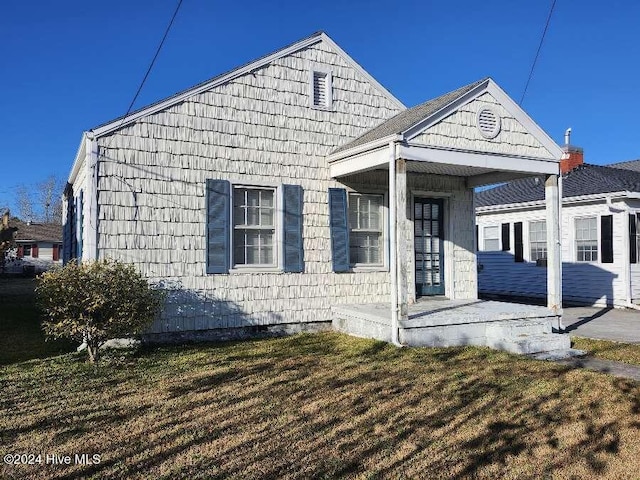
(328, 87)
(485, 238)
(533, 258)
(276, 265)
(383, 231)
(576, 240)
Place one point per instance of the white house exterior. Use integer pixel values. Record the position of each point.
(600, 215)
(260, 199)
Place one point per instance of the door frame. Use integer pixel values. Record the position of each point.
(442, 220)
(448, 270)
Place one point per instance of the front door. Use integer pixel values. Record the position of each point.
(427, 221)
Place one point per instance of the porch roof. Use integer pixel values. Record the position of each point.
(483, 164)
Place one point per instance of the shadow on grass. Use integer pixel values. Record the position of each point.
(21, 337)
(328, 406)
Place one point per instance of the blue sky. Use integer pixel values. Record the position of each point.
(67, 66)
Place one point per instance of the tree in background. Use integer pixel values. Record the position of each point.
(96, 301)
(7, 238)
(41, 202)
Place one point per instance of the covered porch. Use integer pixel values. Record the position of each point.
(432, 157)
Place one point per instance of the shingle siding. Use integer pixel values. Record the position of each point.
(257, 128)
(459, 130)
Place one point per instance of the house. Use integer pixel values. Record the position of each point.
(599, 234)
(287, 195)
(38, 247)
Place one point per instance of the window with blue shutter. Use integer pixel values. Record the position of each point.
(218, 226)
(339, 227)
(293, 250)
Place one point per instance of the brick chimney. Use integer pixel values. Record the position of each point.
(572, 157)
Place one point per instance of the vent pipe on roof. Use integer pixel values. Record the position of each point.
(567, 136)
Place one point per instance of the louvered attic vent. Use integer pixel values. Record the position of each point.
(321, 89)
(488, 122)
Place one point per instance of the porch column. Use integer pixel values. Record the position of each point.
(554, 257)
(401, 239)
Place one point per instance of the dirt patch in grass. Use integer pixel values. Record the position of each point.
(21, 337)
(319, 406)
(616, 351)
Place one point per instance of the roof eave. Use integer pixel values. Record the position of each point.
(80, 156)
(566, 200)
(365, 147)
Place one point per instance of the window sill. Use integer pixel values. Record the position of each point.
(239, 271)
(367, 269)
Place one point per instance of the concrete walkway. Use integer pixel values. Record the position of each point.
(619, 325)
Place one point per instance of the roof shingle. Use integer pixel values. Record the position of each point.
(408, 118)
(583, 180)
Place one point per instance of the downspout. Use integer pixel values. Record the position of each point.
(393, 252)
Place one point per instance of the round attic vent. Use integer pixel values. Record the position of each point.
(488, 122)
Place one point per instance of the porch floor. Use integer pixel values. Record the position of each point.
(440, 322)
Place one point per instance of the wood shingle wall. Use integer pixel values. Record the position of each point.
(256, 129)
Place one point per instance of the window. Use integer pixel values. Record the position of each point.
(365, 229)
(491, 238)
(26, 250)
(321, 91)
(538, 240)
(587, 239)
(254, 222)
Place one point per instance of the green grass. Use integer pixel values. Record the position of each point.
(319, 406)
(21, 337)
(606, 350)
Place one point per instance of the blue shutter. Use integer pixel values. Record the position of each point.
(80, 219)
(293, 249)
(218, 224)
(339, 227)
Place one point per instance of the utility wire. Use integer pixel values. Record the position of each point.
(153, 61)
(535, 60)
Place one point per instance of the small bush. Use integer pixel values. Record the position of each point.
(93, 302)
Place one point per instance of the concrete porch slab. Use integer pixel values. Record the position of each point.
(439, 322)
(435, 311)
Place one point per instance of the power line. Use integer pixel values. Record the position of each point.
(153, 61)
(533, 66)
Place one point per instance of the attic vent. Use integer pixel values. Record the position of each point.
(321, 89)
(488, 122)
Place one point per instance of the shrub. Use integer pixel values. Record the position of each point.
(93, 302)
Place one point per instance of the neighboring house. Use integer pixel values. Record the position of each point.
(39, 245)
(600, 234)
(260, 199)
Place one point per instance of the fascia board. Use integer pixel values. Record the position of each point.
(525, 120)
(445, 111)
(356, 66)
(117, 124)
(80, 156)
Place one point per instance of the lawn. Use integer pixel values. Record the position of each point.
(318, 406)
(21, 337)
(606, 350)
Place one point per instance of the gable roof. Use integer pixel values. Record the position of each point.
(408, 118)
(263, 61)
(628, 165)
(583, 180)
(37, 232)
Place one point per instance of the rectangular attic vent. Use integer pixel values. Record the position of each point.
(321, 89)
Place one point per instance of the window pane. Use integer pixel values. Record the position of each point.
(254, 208)
(586, 239)
(491, 239)
(491, 245)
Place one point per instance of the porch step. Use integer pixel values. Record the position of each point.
(518, 328)
(529, 344)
